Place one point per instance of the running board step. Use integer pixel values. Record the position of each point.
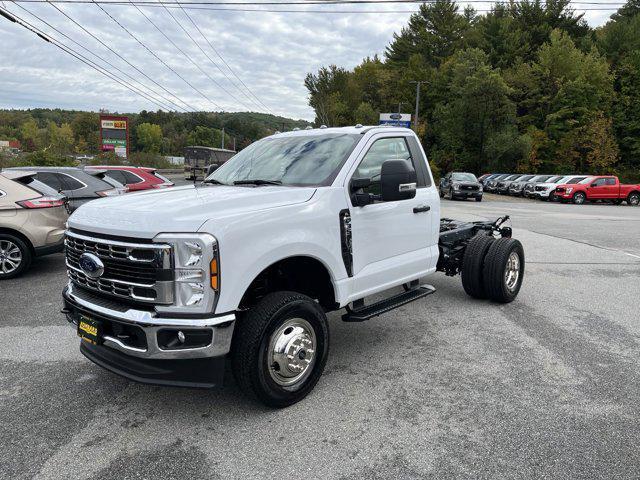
(388, 304)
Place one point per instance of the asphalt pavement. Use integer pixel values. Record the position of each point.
(445, 387)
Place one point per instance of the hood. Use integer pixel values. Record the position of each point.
(179, 209)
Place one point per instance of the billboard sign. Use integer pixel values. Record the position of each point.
(398, 119)
(114, 134)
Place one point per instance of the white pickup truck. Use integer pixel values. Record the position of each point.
(167, 286)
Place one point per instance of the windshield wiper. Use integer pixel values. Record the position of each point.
(257, 181)
(214, 181)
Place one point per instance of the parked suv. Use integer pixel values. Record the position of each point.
(135, 178)
(530, 186)
(79, 185)
(32, 221)
(460, 185)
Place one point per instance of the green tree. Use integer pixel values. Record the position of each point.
(60, 138)
(477, 110)
(149, 137)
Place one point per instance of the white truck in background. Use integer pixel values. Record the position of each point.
(167, 286)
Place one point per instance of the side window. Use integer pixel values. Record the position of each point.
(130, 177)
(116, 175)
(50, 179)
(68, 182)
(599, 182)
(381, 151)
(610, 181)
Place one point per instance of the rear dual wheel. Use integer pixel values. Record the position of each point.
(493, 268)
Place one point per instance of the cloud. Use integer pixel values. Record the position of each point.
(270, 52)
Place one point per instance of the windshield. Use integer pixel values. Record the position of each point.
(555, 179)
(312, 160)
(575, 180)
(525, 178)
(541, 179)
(464, 177)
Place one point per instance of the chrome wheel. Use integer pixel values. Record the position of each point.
(292, 349)
(512, 272)
(10, 257)
(634, 199)
(579, 198)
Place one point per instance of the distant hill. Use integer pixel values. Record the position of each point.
(40, 128)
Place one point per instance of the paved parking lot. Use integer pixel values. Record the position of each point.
(545, 387)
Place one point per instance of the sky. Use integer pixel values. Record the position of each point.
(253, 61)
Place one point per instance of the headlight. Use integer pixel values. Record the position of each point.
(479, 188)
(456, 186)
(569, 190)
(196, 271)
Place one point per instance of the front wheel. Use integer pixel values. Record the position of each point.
(633, 199)
(478, 199)
(579, 198)
(280, 347)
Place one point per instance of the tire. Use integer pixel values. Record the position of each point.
(440, 192)
(478, 199)
(579, 198)
(450, 194)
(498, 259)
(15, 256)
(633, 199)
(252, 351)
(472, 265)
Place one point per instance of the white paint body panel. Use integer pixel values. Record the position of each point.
(257, 226)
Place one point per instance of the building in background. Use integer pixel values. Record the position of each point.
(198, 159)
(114, 134)
(398, 119)
(12, 146)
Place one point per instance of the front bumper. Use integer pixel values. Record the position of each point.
(132, 347)
(466, 193)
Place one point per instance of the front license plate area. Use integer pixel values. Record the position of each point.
(90, 330)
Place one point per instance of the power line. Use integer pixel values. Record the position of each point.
(286, 2)
(268, 10)
(124, 59)
(156, 56)
(65, 48)
(223, 60)
(165, 105)
(200, 48)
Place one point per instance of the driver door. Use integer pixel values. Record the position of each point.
(391, 242)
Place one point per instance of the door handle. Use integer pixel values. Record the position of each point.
(421, 208)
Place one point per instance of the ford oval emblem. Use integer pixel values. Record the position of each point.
(91, 265)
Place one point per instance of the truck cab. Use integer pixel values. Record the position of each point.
(168, 285)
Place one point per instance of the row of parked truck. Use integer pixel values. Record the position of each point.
(574, 188)
(35, 203)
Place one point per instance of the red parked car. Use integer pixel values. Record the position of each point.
(605, 187)
(136, 178)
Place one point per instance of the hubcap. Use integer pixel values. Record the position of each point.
(579, 198)
(292, 351)
(10, 257)
(634, 199)
(512, 272)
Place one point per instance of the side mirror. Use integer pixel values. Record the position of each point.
(398, 180)
(211, 168)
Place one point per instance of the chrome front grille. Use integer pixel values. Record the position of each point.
(141, 272)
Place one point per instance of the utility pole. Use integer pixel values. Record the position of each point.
(222, 142)
(399, 109)
(234, 144)
(418, 83)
